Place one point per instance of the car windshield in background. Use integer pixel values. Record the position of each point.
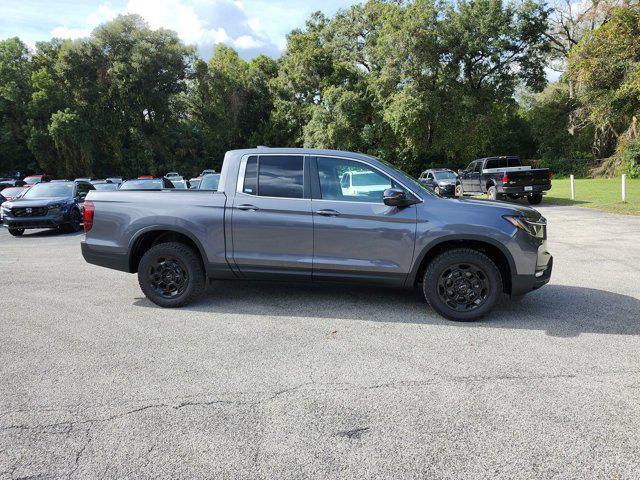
(105, 186)
(366, 179)
(444, 175)
(12, 191)
(179, 184)
(142, 184)
(44, 190)
(210, 182)
(32, 180)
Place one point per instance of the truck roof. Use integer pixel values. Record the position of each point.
(299, 151)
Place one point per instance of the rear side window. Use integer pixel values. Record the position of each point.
(513, 162)
(493, 163)
(274, 176)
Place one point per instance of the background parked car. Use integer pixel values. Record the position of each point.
(206, 171)
(441, 180)
(180, 183)
(147, 184)
(33, 179)
(11, 182)
(47, 205)
(117, 180)
(195, 182)
(104, 185)
(209, 182)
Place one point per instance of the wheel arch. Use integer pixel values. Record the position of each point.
(493, 249)
(147, 238)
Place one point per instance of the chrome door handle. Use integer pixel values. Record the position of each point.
(327, 213)
(247, 207)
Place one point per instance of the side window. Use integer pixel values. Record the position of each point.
(345, 180)
(478, 168)
(367, 184)
(281, 176)
(430, 176)
(470, 167)
(82, 188)
(513, 162)
(250, 185)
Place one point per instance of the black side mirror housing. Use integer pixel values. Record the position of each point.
(395, 197)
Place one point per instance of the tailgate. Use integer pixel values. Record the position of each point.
(538, 176)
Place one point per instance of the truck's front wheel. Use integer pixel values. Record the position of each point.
(171, 274)
(462, 284)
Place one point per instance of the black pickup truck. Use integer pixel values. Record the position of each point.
(503, 176)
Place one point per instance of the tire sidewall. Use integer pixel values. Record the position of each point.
(189, 261)
(492, 193)
(445, 260)
(16, 232)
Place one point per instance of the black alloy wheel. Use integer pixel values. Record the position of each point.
(462, 284)
(16, 232)
(463, 287)
(171, 274)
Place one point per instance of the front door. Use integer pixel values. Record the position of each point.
(355, 234)
(272, 224)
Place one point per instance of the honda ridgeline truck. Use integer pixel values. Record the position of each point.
(288, 214)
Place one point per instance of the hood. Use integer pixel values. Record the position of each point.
(501, 208)
(36, 202)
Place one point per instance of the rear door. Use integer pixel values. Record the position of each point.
(272, 225)
(355, 234)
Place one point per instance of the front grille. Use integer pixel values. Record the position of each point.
(29, 211)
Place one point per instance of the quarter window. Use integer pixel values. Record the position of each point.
(251, 176)
(366, 185)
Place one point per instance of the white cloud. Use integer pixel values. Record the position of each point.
(245, 42)
(101, 15)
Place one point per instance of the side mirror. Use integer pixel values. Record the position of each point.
(460, 172)
(82, 195)
(394, 197)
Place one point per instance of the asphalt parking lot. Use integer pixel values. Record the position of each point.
(263, 380)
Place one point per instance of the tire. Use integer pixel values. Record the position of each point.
(16, 232)
(492, 192)
(535, 199)
(479, 298)
(74, 222)
(171, 274)
(458, 191)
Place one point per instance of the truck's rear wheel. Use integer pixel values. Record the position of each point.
(171, 274)
(492, 193)
(535, 199)
(462, 284)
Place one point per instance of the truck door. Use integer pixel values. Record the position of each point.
(272, 225)
(355, 234)
(470, 177)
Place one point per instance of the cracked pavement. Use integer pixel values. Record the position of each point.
(267, 380)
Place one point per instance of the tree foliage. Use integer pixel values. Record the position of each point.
(419, 83)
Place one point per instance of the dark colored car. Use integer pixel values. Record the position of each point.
(210, 181)
(47, 205)
(286, 214)
(147, 184)
(501, 177)
(441, 180)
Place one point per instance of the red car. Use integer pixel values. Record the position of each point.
(31, 180)
(145, 177)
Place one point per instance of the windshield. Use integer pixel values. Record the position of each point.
(44, 190)
(209, 182)
(179, 184)
(105, 186)
(444, 175)
(12, 192)
(144, 184)
(32, 179)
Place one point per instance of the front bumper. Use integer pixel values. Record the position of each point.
(522, 284)
(35, 222)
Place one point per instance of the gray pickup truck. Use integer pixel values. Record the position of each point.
(288, 214)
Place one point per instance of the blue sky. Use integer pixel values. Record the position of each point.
(250, 26)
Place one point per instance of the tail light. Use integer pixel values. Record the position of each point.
(89, 210)
(505, 178)
(549, 175)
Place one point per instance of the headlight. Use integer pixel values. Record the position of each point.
(535, 229)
